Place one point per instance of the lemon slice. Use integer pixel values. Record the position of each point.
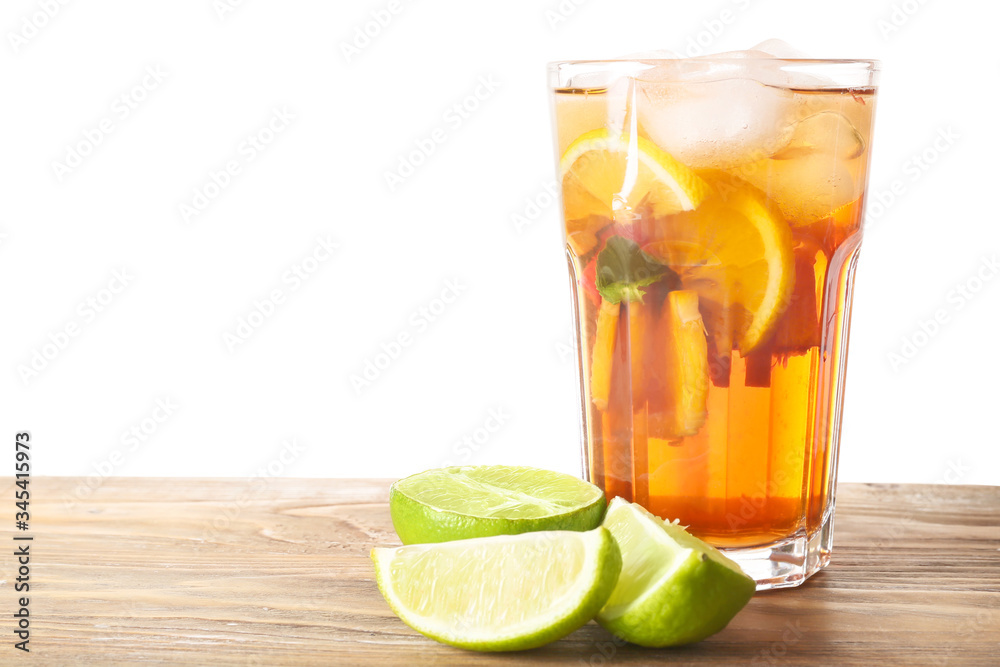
(735, 251)
(606, 176)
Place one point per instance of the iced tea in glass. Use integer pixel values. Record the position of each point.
(713, 214)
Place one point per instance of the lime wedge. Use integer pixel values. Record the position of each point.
(501, 593)
(462, 502)
(674, 589)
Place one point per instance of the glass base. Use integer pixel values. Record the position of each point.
(787, 562)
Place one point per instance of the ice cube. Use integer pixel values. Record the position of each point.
(777, 48)
(817, 172)
(715, 115)
(808, 188)
(621, 104)
(660, 54)
(827, 132)
(783, 71)
(773, 63)
(725, 110)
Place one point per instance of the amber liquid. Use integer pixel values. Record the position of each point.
(762, 466)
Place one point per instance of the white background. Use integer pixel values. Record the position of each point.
(502, 343)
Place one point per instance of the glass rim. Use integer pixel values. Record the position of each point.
(871, 62)
(849, 72)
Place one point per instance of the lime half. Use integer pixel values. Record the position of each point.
(462, 502)
(674, 589)
(502, 593)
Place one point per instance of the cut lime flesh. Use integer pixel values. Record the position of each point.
(501, 593)
(462, 502)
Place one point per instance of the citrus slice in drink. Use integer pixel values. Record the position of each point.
(606, 176)
(461, 502)
(501, 593)
(735, 251)
(674, 589)
(678, 408)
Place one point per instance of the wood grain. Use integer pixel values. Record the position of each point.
(276, 572)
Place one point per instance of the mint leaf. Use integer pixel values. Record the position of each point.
(623, 269)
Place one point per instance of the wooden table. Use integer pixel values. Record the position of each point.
(276, 572)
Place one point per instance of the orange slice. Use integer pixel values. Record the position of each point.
(735, 251)
(605, 177)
